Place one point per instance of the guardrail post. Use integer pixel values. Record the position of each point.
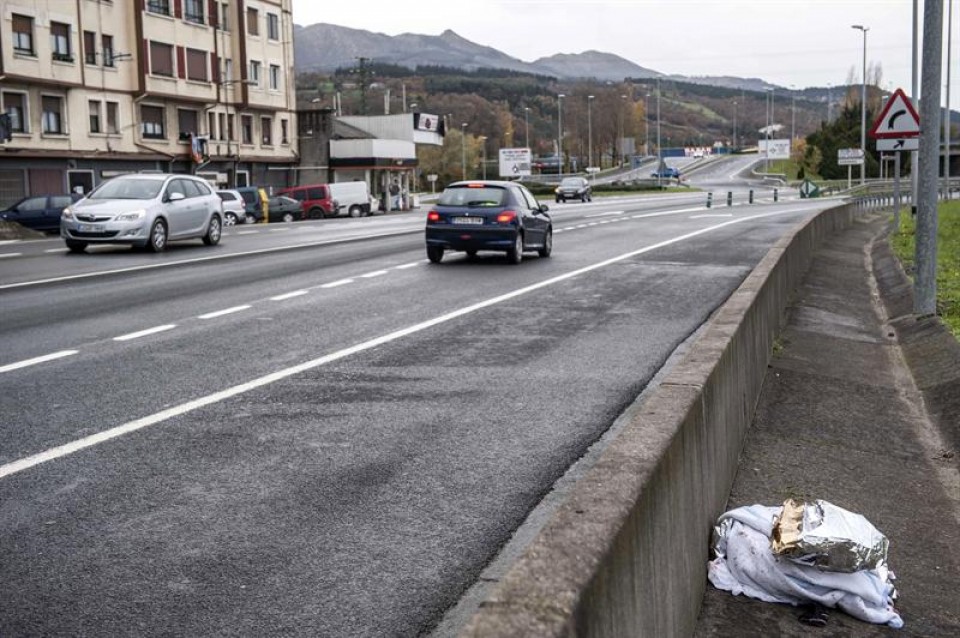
(776, 195)
(751, 196)
(729, 198)
(709, 200)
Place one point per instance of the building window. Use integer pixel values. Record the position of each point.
(193, 11)
(107, 41)
(197, 65)
(212, 125)
(275, 77)
(273, 26)
(224, 23)
(95, 117)
(253, 21)
(152, 122)
(266, 127)
(60, 42)
(113, 118)
(161, 59)
(52, 107)
(230, 134)
(284, 131)
(23, 34)
(246, 129)
(221, 126)
(89, 47)
(228, 70)
(188, 123)
(255, 72)
(159, 6)
(15, 105)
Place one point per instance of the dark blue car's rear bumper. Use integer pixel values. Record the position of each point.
(465, 238)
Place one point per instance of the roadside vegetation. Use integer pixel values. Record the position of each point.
(948, 259)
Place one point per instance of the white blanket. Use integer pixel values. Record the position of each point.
(747, 565)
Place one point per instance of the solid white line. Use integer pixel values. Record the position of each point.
(36, 360)
(5, 255)
(405, 266)
(179, 410)
(220, 313)
(334, 284)
(145, 333)
(289, 295)
(376, 273)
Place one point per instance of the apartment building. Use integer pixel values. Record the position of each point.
(97, 88)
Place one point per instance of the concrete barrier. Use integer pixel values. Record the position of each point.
(625, 554)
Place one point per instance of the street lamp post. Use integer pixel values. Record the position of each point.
(463, 151)
(766, 133)
(526, 126)
(560, 97)
(734, 124)
(863, 105)
(483, 154)
(646, 126)
(589, 131)
(620, 144)
(659, 149)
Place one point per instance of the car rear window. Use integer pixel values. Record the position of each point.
(227, 197)
(483, 196)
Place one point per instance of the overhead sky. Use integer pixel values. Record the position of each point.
(792, 43)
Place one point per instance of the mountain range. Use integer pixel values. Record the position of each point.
(325, 47)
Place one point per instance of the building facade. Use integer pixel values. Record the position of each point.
(97, 88)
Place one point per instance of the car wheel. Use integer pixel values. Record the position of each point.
(76, 246)
(214, 231)
(230, 219)
(317, 213)
(355, 211)
(547, 244)
(471, 253)
(558, 200)
(249, 218)
(158, 237)
(515, 253)
(435, 254)
(583, 198)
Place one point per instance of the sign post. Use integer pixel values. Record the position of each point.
(849, 157)
(897, 129)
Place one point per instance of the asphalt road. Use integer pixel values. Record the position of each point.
(309, 430)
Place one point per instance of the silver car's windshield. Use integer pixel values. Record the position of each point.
(128, 189)
(573, 182)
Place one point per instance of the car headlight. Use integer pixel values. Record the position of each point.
(131, 216)
(556, 190)
(67, 214)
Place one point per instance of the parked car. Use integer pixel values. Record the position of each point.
(315, 200)
(144, 210)
(254, 199)
(667, 172)
(488, 215)
(284, 209)
(234, 207)
(574, 188)
(39, 212)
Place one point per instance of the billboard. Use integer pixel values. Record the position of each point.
(514, 162)
(775, 149)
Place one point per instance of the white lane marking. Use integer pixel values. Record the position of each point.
(30, 362)
(614, 212)
(375, 273)
(247, 232)
(179, 410)
(145, 333)
(5, 255)
(581, 226)
(278, 230)
(289, 295)
(56, 250)
(711, 215)
(4, 242)
(225, 311)
(405, 266)
(334, 284)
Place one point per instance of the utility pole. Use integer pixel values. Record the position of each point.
(364, 72)
(915, 97)
(946, 121)
(925, 284)
(863, 106)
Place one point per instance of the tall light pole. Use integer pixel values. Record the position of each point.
(620, 144)
(646, 126)
(766, 135)
(463, 151)
(734, 124)
(659, 150)
(863, 106)
(946, 121)
(589, 131)
(560, 97)
(526, 126)
(483, 154)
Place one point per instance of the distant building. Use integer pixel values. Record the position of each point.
(96, 88)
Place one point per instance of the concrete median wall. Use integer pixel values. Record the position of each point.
(626, 553)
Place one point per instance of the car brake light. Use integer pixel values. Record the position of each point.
(506, 217)
(433, 216)
(474, 185)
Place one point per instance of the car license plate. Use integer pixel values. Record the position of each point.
(90, 228)
(468, 220)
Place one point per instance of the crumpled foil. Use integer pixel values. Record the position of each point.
(821, 534)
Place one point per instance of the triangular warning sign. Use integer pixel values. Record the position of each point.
(898, 118)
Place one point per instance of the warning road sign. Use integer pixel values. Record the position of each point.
(898, 118)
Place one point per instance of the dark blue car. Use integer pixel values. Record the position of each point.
(39, 212)
(488, 215)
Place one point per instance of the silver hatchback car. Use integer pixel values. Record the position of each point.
(145, 210)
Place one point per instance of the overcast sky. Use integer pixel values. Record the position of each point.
(791, 43)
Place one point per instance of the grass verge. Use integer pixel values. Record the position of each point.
(948, 259)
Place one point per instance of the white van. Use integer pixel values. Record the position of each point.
(351, 197)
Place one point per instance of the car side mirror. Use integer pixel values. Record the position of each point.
(544, 208)
(175, 197)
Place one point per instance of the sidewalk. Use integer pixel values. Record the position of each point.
(841, 418)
